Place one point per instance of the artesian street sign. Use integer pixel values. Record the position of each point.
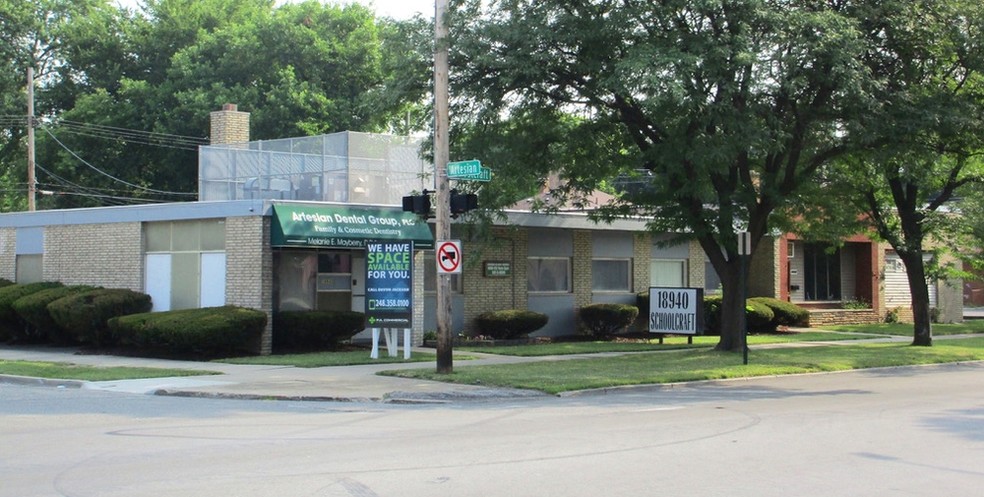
(470, 170)
(464, 168)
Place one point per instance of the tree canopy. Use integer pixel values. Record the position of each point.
(728, 108)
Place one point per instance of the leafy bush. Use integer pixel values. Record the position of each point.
(759, 316)
(642, 303)
(510, 323)
(604, 320)
(84, 316)
(712, 315)
(315, 330)
(210, 332)
(11, 325)
(786, 313)
(33, 309)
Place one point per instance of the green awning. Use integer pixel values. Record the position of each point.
(338, 226)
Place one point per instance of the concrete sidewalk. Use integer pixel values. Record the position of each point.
(336, 383)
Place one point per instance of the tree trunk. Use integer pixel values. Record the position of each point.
(919, 290)
(732, 307)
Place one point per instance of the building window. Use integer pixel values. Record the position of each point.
(668, 273)
(430, 274)
(712, 281)
(821, 266)
(611, 275)
(29, 268)
(185, 264)
(549, 274)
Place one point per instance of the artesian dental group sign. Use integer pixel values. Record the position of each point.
(678, 311)
(303, 225)
(389, 284)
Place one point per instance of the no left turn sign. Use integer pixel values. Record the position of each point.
(449, 257)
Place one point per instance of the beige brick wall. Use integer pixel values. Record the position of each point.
(763, 269)
(642, 246)
(582, 269)
(109, 255)
(249, 270)
(8, 251)
(229, 126)
(695, 265)
(483, 294)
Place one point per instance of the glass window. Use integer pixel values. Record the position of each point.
(213, 234)
(712, 281)
(668, 273)
(548, 274)
(185, 236)
(611, 275)
(30, 268)
(158, 237)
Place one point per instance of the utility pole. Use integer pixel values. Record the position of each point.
(441, 156)
(31, 186)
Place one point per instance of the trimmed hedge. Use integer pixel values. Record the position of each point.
(510, 323)
(210, 332)
(315, 330)
(11, 325)
(758, 316)
(84, 316)
(33, 309)
(604, 320)
(786, 313)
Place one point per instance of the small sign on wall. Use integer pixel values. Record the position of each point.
(497, 269)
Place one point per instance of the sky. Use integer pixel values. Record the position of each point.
(397, 9)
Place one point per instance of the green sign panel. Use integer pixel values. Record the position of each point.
(470, 170)
(497, 269)
(339, 226)
(464, 168)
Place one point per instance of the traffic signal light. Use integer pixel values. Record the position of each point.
(462, 202)
(418, 204)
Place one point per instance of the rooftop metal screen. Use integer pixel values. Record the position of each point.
(342, 167)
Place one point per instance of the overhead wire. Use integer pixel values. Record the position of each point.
(110, 176)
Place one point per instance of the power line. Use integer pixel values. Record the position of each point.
(132, 136)
(114, 178)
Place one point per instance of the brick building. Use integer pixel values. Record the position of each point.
(281, 225)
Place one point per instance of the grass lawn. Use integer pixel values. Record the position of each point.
(670, 343)
(905, 329)
(701, 364)
(68, 371)
(323, 359)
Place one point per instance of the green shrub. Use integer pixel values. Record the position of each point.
(604, 320)
(11, 325)
(642, 303)
(759, 317)
(786, 313)
(210, 332)
(712, 315)
(510, 323)
(84, 315)
(33, 309)
(315, 330)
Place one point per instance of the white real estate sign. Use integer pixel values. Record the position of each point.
(678, 311)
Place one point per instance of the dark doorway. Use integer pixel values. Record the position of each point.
(822, 268)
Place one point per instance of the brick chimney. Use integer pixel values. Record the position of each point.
(229, 126)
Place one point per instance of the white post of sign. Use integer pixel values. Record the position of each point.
(375, 344)
(406, 343)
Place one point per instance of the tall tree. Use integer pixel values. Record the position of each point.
(925, 131)
(728, 106)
